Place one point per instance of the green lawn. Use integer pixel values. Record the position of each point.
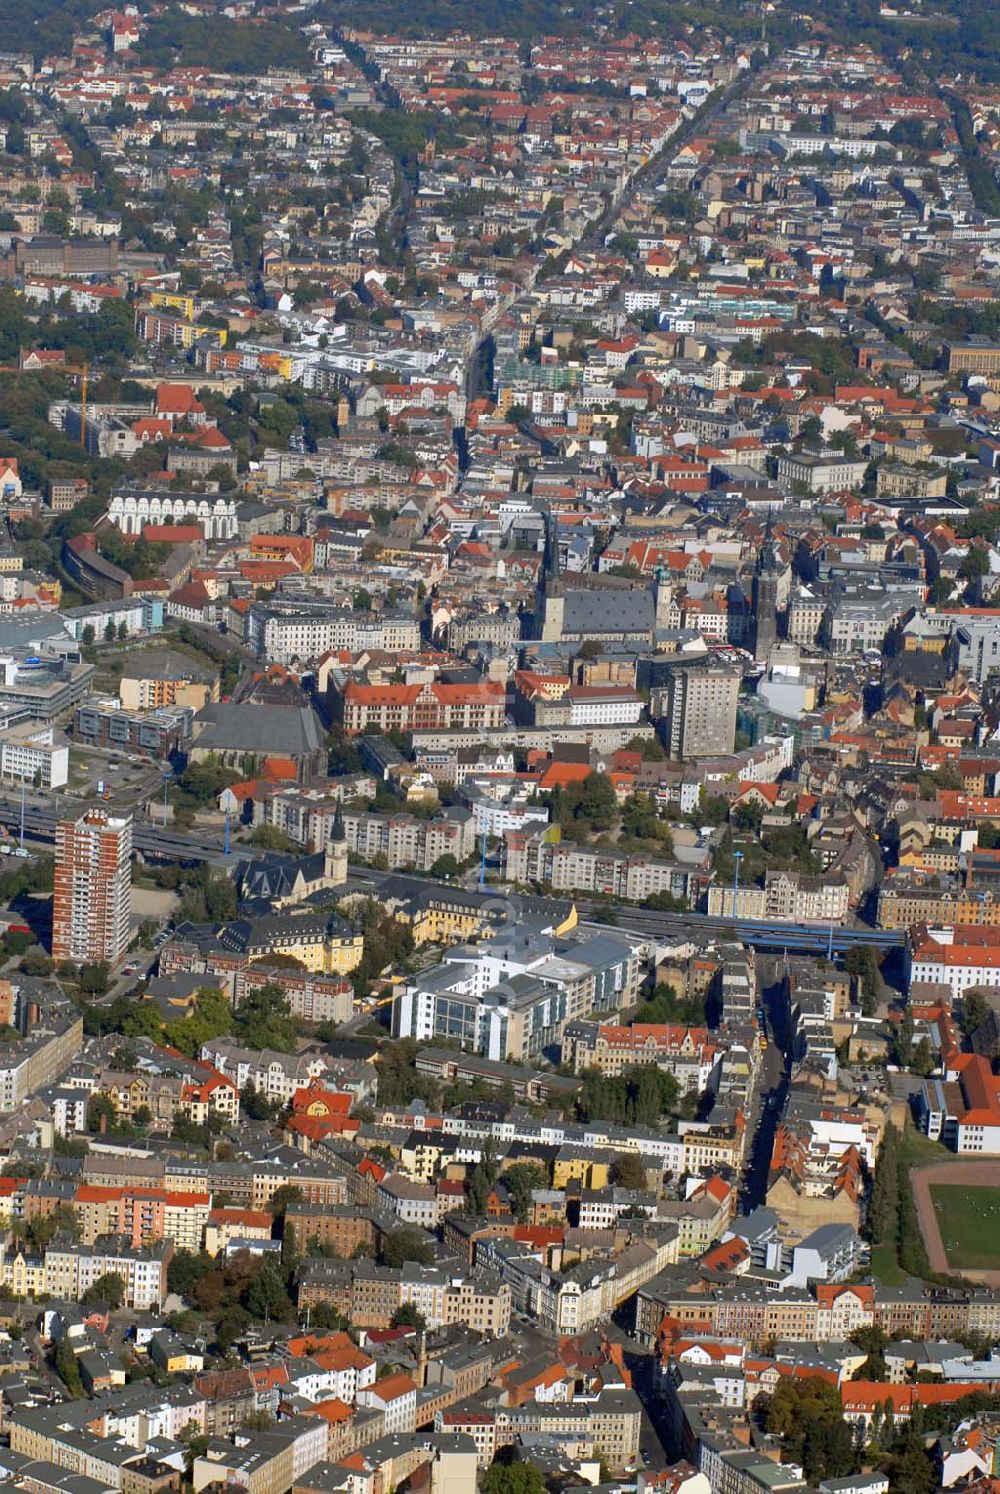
(885, 1267)
(969, 1221)
(916, 1150)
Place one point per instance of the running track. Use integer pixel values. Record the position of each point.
(955, 1174)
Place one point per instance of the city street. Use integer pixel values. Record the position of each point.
(773, 1089)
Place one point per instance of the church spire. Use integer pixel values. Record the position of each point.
(767, 555)
(551, 547)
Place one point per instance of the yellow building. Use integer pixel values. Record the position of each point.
(899, 907)
(711, 1147)
(226, 1225)
(174, 1357)
(26, 1440)
(420, 1158)
(979, 355)
(24, 1274)
(447, 915)
(592, 1169)
(152, 694)
(320, 942)
(186, 305)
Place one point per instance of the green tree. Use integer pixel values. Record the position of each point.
(903, 1040)
(481, 1180)
(881, 1217)
(713, 809)
(263, 1019)
(195, 1443)
(408, 1316)
(36, 962)
(398, 1080)
(101, 1109)
(67, 1368)
(211, 1018)
(862, 961)
(284, 1197)
(512, 1478)
(640, 1097)
(975, 563)
(923, 1061)
(289, 1251)
(141, 1019)
(975, 1010)
(326, 1317)
(265, 1297)
(233, 1322)
(910, 1468)
(407, 1244)
(94, 978)
(521, 1180)
(257, 1106)
(185, 1269)
(17, 942)
(808, 1417)
(270, 838)
(627, 1171)
(597, 801)
(108, 1288)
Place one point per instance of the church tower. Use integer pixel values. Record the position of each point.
(552, 597)
(764, 609)
(663, 595)
(335, 862)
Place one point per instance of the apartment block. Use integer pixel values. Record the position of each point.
(92, 889)
(70, 1269)
(696, 710)
(535, 856)
(685, 1052)
(40, 1058)
(338, 1227)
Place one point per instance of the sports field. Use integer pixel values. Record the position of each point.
(969, 1221)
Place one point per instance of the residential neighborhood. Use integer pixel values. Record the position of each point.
(500, 748)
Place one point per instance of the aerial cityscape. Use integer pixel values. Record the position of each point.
(500, 747)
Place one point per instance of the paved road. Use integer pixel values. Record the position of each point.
(656, 169)
(154, 840)
(773, 1091)
(653, 1438)
(41, 1365)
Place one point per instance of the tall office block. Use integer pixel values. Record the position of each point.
(697, 707)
